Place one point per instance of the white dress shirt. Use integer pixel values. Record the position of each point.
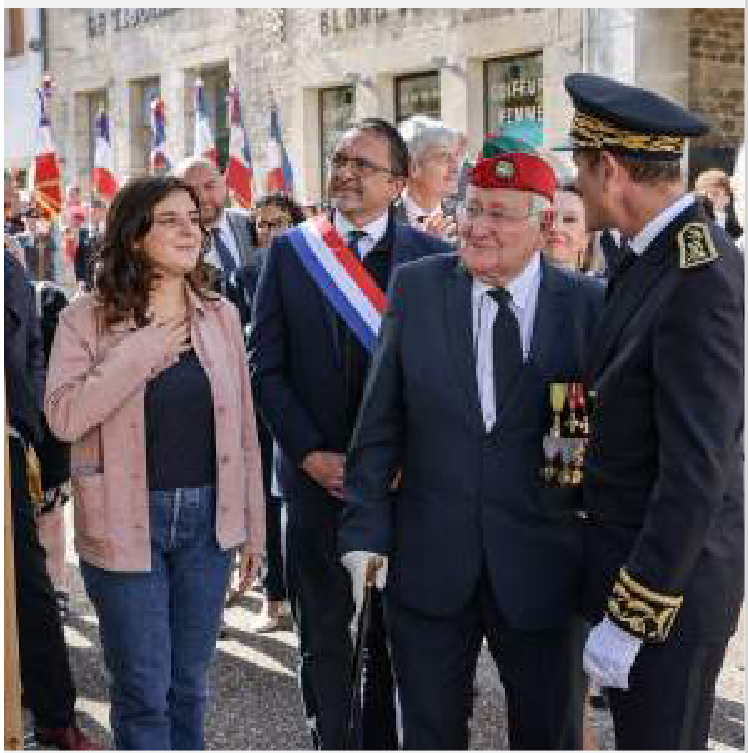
(227, 236)
(375, 231)
(656, 225)
(414, 210)
(524, 291)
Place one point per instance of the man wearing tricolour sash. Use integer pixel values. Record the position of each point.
(318, 304)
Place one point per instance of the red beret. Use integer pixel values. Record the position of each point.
(522, 172)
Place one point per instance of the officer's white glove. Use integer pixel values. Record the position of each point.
(609, 654)
(356, 564)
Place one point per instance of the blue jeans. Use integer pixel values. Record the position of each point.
(159, 628)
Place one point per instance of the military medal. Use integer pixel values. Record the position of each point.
(558, 398)
(565, 477)
(550, 450)
(576, 403)
(577, 460)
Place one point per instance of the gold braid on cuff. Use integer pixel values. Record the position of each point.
(640, 611)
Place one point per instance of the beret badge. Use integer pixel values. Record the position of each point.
(504, 170)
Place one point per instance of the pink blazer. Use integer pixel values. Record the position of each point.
(95, 399)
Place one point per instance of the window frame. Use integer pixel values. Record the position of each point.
(320, 110)
(399, 80)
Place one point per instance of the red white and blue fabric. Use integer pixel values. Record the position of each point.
(342, 278)
(205, 146)
(159, 160)
(280, 174)
(47, 193)
(239, 167)
(104, 178)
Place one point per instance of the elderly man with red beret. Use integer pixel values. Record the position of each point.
(474, 407)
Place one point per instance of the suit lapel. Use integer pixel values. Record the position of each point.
(632, 291)
(550, 317)
(241, 235)
(401, 247)
(458, 311)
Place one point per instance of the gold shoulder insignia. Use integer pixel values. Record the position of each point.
(639, 610)
(696, 246)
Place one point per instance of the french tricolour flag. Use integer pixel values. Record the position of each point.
(239, 168)
(104, 179)
(47, 194)
(159, 160)
(205, 146)
(280, 175)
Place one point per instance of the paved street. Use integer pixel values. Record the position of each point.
(255, 702)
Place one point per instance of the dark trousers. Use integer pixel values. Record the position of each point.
(274, 581)
(435, 660)
(48, 688)
(322, 606)
(671, 696)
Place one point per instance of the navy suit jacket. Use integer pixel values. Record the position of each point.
(468, 497)
(297, 360)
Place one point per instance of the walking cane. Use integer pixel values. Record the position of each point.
(354, 695)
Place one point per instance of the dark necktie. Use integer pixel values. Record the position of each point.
(622, 262)
(354, 238)
(507, 345)
(227, 260)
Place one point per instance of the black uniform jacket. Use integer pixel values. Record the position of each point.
(663, 477)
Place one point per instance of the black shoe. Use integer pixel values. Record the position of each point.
(65, 738)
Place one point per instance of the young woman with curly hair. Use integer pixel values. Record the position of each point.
(147, 380)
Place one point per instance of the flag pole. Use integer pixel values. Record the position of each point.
(13, 728)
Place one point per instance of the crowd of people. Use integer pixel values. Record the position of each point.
(468, 401)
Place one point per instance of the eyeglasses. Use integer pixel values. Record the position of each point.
(471, 212)
(272, 225)
(359, 164)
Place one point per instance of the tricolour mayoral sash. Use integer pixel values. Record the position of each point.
(341, 277)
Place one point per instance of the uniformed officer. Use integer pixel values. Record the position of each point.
(663, 477)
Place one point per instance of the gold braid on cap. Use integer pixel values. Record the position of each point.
(640, 611)
(589, 132)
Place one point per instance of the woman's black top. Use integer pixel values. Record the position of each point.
(179, 427)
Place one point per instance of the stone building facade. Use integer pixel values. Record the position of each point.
(23, 70)
(716, 78)
(474, 68)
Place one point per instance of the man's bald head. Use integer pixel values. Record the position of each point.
(210, 185)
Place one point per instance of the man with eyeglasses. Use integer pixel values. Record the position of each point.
(484, 538)
(318, 299)
(232, 251)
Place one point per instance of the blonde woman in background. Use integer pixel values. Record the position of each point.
(569, 245)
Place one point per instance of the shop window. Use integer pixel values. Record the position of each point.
(418, 94)
(513, 90)
(337, 107)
